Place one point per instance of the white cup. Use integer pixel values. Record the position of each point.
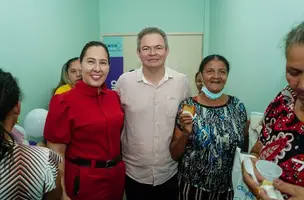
(268, 170)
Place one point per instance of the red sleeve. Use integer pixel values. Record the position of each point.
(58, 125)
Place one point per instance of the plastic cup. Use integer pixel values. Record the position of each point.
(268, 170)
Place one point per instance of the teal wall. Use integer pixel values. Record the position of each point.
(251, 35)
(37, 37)
(130, 16)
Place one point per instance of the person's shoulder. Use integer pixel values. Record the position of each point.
(112, 93)
(188, 100)
(128, 75)
(33, 153)
(285, 96)
(237, 103)
(235, 99)
(58, 99)
(284, 101)
(62, 89)
(127, 79)
(65, 97)
(287, 92)
(175, 74)
(178, 78)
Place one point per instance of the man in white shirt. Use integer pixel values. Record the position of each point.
(150, 97)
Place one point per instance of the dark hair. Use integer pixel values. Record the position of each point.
(64, 74)
(197, 73)
(9, 98)
(209, 58)
(67, 65)
(294, 37)
(94, 44)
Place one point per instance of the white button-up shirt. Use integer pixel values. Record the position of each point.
(150, 113)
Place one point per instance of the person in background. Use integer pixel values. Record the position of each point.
(26, 172)
(205, 145)
(150, 97)
(70, 74)
(84, 126)
(282, 137)
(199, 81)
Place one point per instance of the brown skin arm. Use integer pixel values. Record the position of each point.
(55, 194)
(60, 149)
(178, 144)
(252, 185)
(256, 149)
(180, 137)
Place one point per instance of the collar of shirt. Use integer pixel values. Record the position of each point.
(141, 77)
(88, 90)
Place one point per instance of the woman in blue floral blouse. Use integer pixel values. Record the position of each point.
(205, 144)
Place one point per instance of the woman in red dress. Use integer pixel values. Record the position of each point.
(84, 125)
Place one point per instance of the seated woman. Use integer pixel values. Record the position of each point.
(26, 172)
(282, 136)
(70, 73)
(205, 145)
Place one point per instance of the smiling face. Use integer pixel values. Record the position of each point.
(215, 75)
(152, 51)
(95, 66)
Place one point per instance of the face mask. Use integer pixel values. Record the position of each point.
(211, 95)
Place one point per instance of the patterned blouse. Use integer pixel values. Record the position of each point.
(29, 173)
(283, 137)
(217, 131)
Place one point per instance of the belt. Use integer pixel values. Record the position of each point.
(96, 163)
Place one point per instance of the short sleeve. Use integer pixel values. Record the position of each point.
(51, 171)
(58, 125)
(242, 110)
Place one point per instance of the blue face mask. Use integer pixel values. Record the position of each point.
(211, 95)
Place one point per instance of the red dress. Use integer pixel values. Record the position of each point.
(283, 137)
(90, 123)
